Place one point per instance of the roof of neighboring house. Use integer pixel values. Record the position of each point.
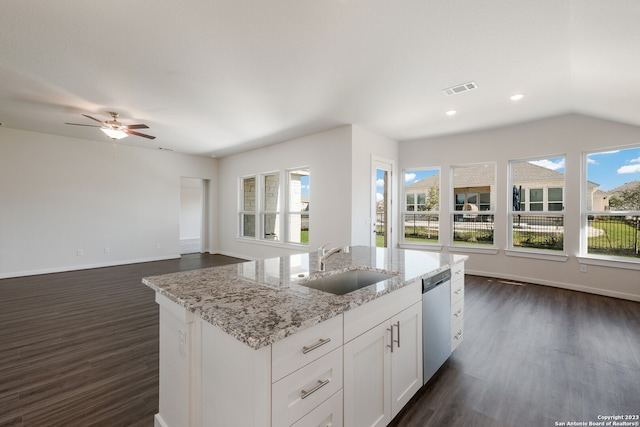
(624, 187)
(470, 176)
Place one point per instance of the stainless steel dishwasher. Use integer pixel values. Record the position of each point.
(436, 322)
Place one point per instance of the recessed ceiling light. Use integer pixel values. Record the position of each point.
(451, 113)
(517, 97)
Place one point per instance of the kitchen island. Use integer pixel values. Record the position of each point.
(250, 345)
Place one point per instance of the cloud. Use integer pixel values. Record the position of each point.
(380, 183)
(635, 160)
(591, 161)
(629, 169)
(409, 177)
(379, 197)
(546, 163)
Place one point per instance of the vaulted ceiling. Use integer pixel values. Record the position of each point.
(214, 77)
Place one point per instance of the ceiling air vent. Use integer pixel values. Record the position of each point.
(454, 90)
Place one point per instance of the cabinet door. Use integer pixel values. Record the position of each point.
(367, 381)
(406, 359)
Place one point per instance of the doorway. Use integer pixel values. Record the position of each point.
(381, 209)
(192, 215)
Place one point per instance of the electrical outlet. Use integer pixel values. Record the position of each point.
(79, 252)
(107, 250)
(583, 268)
(157, 245)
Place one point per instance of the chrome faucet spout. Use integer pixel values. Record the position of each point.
(322, 260)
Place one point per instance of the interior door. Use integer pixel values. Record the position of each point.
(381, 209)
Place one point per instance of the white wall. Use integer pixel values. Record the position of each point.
(328, 156)
(190, 208)
(59, 195)
(567, 135)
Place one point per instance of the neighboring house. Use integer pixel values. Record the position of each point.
(540, 189)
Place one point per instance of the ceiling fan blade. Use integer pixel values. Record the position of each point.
(78, 124)
(130, 132)
(93, 118)
(137, 126)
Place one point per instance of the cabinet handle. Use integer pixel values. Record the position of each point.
(320, 342)
(458, 335)
(398, 340)
(391, 346)
(459, 272)
(459, 313)
(458, 291)
(304, 393)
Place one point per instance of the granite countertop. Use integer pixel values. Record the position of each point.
(261, 302)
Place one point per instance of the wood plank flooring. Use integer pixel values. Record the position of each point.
(533, 355)
(81, 349)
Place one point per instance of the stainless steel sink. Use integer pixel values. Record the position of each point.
(349, 281)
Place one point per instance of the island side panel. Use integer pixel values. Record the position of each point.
(235, 381)
(176, 364)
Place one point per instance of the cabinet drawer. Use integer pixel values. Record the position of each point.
(298, 393)
(457, 291)
(299, 349)
(457, 271)
(457, 312)
(456, 335)
(328, 414)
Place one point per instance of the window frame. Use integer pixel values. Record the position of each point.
(545, 214)
(491, 212)
(584, 256)
(282, 209)
(405, 206)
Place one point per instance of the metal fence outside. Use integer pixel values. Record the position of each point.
(614, 235)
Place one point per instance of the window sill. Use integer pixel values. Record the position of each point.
(421, 246)
(473, 249)
(561, 257)
(609, 262)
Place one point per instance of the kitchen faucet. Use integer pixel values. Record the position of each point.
(323, 255)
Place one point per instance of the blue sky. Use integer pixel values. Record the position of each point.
(610, 169)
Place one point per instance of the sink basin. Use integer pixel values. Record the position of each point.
(349, 281)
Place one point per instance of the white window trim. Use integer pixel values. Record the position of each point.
(466, 247)
(591, 259)
(545, 254)
(260, 212)
(420, 245)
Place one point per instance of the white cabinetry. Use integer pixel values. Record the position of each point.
(457, 304)
(383, 364)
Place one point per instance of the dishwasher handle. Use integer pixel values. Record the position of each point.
(435, 280)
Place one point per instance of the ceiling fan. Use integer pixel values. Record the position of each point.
(114, 129)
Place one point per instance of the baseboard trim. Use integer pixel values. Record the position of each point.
(85, 266)
(562, 285)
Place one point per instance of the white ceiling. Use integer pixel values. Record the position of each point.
(215, 77)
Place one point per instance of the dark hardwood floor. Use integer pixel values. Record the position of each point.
(533, 355)
(81, 349)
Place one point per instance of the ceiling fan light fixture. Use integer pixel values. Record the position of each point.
(114, 133)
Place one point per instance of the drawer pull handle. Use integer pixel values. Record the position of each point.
(304, 393)
(459, 313)
(458, 335)
(320, 342)
(458, 291)
(391, 346)
(459, 272)
(398, 340)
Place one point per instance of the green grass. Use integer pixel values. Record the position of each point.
(619, 238)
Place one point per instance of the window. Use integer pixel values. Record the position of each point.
(298, 206)
(537, 211)
(611, 189)
(473, 192)
(271, 206)
(421, 211)
(248, 207)
(284, 220)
